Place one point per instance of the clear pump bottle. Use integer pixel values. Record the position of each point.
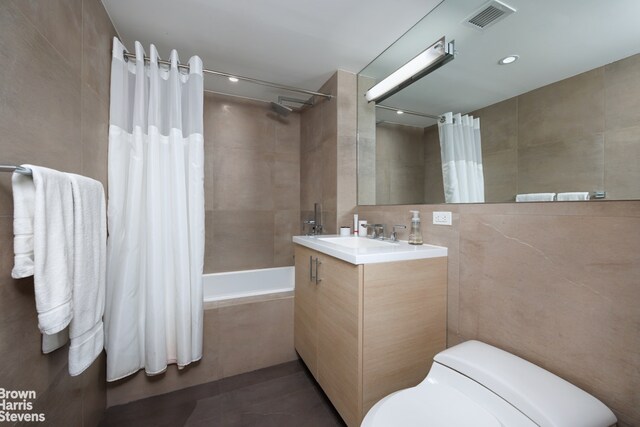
(415, 235)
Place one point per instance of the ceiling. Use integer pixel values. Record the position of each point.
(555, 39)
(297, 43)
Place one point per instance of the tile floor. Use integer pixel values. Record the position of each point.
(282, 395)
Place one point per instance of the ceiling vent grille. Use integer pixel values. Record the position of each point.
(488, 14)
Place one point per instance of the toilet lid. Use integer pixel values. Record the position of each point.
(430, 405)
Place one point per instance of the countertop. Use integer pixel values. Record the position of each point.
(386, 251)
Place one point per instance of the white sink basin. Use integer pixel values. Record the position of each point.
(355, 242)
(362, 250)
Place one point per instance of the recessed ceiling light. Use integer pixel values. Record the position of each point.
(400, 112)
(508, 59)
(233, 79)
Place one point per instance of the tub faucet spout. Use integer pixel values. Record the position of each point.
(315, 223)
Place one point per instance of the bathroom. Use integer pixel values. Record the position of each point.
(555, 283)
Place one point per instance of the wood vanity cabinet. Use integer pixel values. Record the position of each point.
(365, 331)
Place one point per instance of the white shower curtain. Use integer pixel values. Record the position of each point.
(153, 313)
(461, 152)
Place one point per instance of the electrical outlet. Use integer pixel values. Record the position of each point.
(442, 218)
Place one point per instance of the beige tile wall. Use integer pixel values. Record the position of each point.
(328, 154)
(560, 135)
(252, 184)
(366, 144)
(578, 134)
(346, 148)
(400, 164)
(622, 128)
(433, 184)
(499, 128)
(555, 283)
(55, 105)
(318, 158)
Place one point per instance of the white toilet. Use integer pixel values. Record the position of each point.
(475, 384)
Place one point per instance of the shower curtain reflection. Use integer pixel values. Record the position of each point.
(461, 152)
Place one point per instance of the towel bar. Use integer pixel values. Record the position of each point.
(13, 168)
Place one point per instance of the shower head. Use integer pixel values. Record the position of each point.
(284, 110)
(281, 110)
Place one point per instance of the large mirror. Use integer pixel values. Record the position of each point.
(564, 117)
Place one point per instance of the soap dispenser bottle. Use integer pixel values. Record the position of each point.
(415, 235)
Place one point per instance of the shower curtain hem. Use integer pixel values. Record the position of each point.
(152, 374)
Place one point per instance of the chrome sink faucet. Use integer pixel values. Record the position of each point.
(394, 234)
(375, 231)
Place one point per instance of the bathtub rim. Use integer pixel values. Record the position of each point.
(248, 296)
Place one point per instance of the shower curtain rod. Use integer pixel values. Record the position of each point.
(132, 56)
(413, 113)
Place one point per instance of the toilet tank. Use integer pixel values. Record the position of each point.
(545, 398)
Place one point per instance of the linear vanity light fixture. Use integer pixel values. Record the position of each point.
(432, 58)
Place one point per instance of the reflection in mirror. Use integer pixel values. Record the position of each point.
(564, 117)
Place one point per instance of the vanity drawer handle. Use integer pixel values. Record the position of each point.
(311, 268)
(318, 279)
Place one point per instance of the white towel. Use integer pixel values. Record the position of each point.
(24, 199)
(535, 197)
(55, 341)
(44, 205)
(89, 272)
(578, 195)
(60, 238)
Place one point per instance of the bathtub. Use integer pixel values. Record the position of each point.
(256, 333)
(248, 283)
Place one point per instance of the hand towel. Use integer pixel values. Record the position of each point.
(579, 195)
(535, 197)
(44, 204)
(89, 272)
